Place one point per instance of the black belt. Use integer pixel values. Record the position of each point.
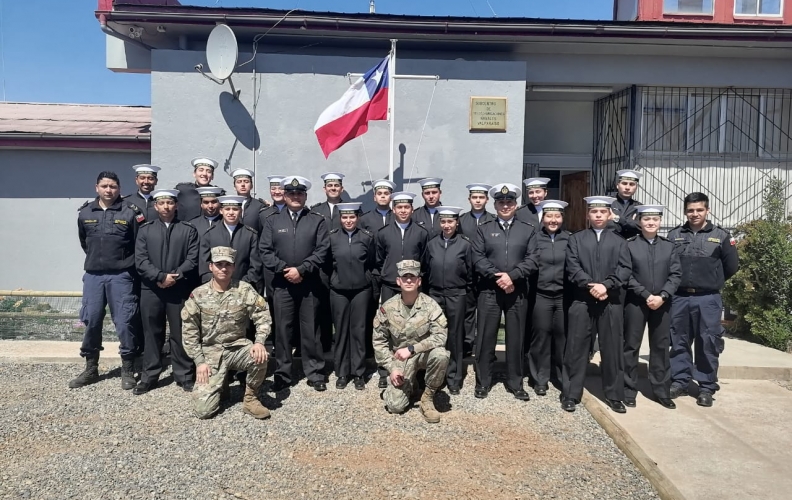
(686, 292)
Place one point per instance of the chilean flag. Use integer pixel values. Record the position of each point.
(348, 117)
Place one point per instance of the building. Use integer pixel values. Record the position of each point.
(754, 12)
(50, 155)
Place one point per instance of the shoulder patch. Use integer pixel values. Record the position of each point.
(332, 231)
(366, 231)
(382, 310)
(264, 202)
(632, 238)
(190, 224)
(419, 222)
(522, 221)
(84, 205)
(146, 223)
(316, 205)
(316, 213)
(464, 237)
(246, 227)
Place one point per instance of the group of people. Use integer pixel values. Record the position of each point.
(418, 289)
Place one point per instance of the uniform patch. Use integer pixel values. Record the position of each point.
(495, 235)
(679, 239)
(714, 240)
(120, 221)
(382, 310)
(140, 218)
(732, 241)
(283, 230)
(90, 221)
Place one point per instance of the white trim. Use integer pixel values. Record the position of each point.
(759, 15)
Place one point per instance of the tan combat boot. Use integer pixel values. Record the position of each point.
(252, 406)
(428, 409)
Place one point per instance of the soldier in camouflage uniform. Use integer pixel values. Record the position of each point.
(215, 319)
(410, 334)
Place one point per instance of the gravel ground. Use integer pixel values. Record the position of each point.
(102, 442)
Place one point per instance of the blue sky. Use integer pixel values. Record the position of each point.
(53, 50)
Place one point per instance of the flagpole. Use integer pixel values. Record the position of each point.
(391, 104)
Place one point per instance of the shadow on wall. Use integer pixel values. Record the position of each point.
(240, 122)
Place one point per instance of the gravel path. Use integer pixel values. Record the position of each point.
(100, 442)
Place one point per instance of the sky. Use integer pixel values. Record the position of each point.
(54, 51)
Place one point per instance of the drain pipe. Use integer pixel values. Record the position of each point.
(111, 32)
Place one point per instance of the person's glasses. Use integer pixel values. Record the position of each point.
(409, 278)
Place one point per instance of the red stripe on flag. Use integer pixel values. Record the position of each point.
(342, 130)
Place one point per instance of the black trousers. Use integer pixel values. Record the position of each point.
(454, 307)
(636, 316)
(491, 304)
(588, 317)
(295, 311)
(470, 319)
(350, 313)
(530, 299)
(324, 314)
(157, 307)
(548, 339)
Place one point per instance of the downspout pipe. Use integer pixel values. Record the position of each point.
(107, 30)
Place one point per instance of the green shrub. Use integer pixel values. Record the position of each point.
(15, 304)
(761, 291)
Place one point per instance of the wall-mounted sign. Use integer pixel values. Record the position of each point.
(488, 113)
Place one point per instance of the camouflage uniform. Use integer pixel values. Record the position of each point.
(213, 332)
(423, 326)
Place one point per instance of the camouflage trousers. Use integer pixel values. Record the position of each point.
(206, 397)
(435, 362)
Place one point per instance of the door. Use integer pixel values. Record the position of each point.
(574, 188)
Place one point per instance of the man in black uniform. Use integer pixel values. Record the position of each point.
(166, 257)
(427, 214)
(382, 215)
(265, 284)
(189, 200)
(243, 184)
(107, 227)
(624, 217)
(293, 247)
(232, 233)
(502, 253)
(656, 272)
(400, 240)
(468, 225)
(598, 266)
(210, 209)
(709, 257)
(146, 180)
(536, 192)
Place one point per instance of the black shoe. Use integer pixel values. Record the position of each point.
(667, 403)
(128, 381)
(144, 387)
(453, 390)
(678, 390)
(342, 382)
(279, 384)
(704, 399)
(519, 394)
(360, 384)
(318, 386)
(568, 404)
(629, 402)
(188, 386)
(481, 392)
(616, 406)
(383, 382)
(540, 390)
(88, 376)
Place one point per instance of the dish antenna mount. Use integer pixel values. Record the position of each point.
(221, 56)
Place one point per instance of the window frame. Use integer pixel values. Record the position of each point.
(759, 15)
(711, 13)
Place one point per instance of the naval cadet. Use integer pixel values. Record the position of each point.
(107, 228)
(598, 267)
(410, 335)
(548, 318)
(232, 233)
(189, 200)
(449, 276)
(709, 257)
(166, 257)
(656, 273)
(402, 239)
(294, 245)
(624, 216)
(243, 184)
(502, 254)
(352, 258)
(382, 214)
(146, 180)
(536, 192)
(210, 209)
(427, 214)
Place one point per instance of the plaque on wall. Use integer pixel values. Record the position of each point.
(488, 114)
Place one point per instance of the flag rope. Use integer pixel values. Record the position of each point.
(420, 139)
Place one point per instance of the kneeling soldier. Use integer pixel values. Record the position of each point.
(410, 333)
(215, 318)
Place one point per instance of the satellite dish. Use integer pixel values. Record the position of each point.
(222, 51)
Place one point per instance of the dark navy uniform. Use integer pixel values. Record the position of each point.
(497, 249)
(323, 209)
(468, 225)
(548, 325)
(162, 250)
(605, 261)
(656, 270)
(203, 223)
(430, 222)
(190, 200)
(264, 286)
(626, 211)
(708, 259)
(393, 248)
(146, 205)
(528, 213)
(247, 264)
(373, 221)
(353, 259)
(108, 239)
(251, 209)
(449, 278)
(325, 315)
(303, 244)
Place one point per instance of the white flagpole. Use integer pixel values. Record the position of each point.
(391, 105)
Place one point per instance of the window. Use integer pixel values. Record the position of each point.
(688, 6)
(757, 7)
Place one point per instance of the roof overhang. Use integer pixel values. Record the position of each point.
(39, 141)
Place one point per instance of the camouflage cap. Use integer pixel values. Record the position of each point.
(223, 254)
(406, 267)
